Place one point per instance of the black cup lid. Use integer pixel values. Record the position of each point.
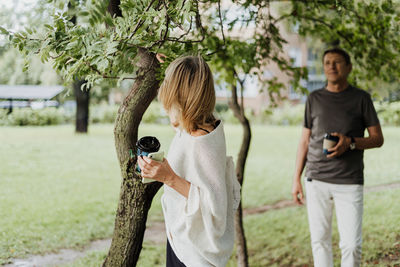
(148, 144)
(331, 137)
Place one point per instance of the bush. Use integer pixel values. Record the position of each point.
(285, 115)
(107, 114)
(52, 116)
(3, 117)
(39, 117)
(221, 107)
(155, 114)
(388, 113)
(226, 116)
(102, 113)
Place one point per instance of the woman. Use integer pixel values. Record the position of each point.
(201, 192)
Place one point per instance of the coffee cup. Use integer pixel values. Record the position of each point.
(329, 142)
(146, 145)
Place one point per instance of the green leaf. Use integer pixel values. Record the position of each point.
(83, 13)
(26, 65)
(71, 45)
(83, 86)
(103, 64)
(109, 21)
(111, 50)
(4, 31)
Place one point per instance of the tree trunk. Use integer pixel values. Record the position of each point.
(82, 107)
(238, 111)
(81, 97)
(135, 197)
(113, 8)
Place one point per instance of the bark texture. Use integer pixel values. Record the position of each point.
(135, 197)
(238, 111)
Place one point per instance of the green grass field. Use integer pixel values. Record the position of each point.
(60, 190)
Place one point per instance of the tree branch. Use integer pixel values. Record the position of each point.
(321, 21)
(199, 25)
(172, 39)
(140, 22)
(241, 82)
(186, 33)
(220, 20)
(106, 76)
(282, 17)
(55, 57)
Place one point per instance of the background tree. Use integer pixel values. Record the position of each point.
(82, 97)
(125, 49)
(368, 30)
(14, 67)
(14, 15)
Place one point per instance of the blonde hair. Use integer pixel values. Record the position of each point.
(188, 86)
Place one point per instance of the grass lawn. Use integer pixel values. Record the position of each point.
(59, 189)
(281, 237)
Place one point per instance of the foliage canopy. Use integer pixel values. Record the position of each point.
(237, 36)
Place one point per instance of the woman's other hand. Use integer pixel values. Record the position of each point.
(160, 57)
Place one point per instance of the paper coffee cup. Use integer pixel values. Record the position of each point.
(146, 145)
(329, 142)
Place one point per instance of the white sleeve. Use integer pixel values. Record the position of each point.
(207, 204)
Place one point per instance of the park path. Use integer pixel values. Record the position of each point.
(155, 233)
(289, 203)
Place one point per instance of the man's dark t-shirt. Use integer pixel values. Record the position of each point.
(348, 112)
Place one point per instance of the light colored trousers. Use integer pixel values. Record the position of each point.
(348, 202)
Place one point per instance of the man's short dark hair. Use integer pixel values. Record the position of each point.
(339, 51)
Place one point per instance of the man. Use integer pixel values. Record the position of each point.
(335, 179)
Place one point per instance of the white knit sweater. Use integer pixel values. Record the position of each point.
(200, 229)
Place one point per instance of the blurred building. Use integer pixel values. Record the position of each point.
(32, 96)
(296, 49)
